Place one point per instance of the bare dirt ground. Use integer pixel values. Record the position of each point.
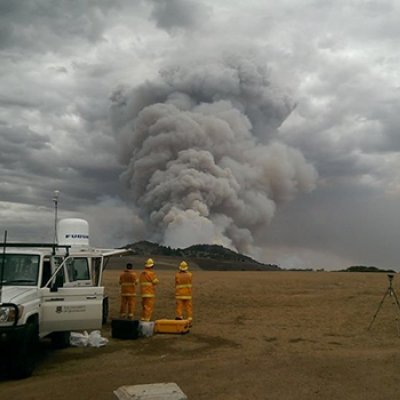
(256, 335)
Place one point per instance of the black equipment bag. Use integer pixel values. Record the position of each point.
(124, 329)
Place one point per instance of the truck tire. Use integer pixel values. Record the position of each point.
(60, 340)
(24, 361)
(106, 308)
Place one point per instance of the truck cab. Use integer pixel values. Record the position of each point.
(49, 290)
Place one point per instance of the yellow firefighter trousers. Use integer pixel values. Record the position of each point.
(182, 305)
(147, 308)
(127, 304)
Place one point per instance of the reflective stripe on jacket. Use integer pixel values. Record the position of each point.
(183, 285)
(148, 280)
(127, 281)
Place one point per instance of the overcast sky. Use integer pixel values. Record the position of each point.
(268, 127)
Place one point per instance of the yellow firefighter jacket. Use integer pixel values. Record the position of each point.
(183, 285)
(127, 281)
(148, 280)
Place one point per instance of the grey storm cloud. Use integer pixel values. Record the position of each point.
(17, 135)
(19, 145)
(38, 26)
(179, 14)
(203, 161)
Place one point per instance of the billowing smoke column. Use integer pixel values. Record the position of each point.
(202, 154)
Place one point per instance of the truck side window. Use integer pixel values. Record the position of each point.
(96, 271)
(78, 269)
(60, 279)
(46, 272)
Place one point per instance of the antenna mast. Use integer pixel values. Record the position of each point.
(3, 259)
(55, 200)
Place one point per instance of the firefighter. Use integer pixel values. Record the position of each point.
(128, 281)
(148, 280)
(183, 292)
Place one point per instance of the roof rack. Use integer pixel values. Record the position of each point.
(40, 245)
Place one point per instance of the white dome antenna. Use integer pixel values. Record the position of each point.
(73, 232)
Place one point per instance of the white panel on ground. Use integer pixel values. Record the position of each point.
(155, 391)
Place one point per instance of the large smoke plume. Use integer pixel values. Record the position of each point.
(203, 156)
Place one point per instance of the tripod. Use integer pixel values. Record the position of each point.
(390, 291)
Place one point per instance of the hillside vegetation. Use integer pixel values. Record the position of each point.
(207, 257)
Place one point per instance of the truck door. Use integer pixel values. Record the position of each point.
(65, 308)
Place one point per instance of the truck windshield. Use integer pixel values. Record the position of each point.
(19, 269)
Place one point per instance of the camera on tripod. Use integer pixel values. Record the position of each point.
(390, 291)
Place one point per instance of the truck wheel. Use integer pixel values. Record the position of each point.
(60, 340)
(24, 361)
(106, 308)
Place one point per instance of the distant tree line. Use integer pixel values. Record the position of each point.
(363, 268)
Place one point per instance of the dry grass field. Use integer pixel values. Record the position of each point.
(256, 335)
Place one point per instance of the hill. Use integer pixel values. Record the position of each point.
(207, 257)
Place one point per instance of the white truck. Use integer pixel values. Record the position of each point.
(49, 290)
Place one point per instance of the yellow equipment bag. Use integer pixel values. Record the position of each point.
(171, 326)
